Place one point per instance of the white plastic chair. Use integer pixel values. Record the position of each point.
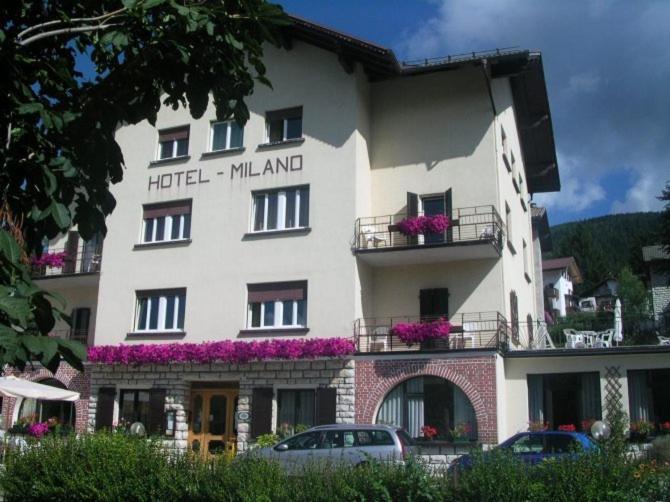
(604, 338)
(487, 233)
(663, 340)
(369, 235)
(379, 339)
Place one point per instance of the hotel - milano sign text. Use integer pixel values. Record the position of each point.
(240, 170)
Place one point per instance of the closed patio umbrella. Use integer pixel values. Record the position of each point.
(11, 386)
(618, 322)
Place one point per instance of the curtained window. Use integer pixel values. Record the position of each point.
(429, 401)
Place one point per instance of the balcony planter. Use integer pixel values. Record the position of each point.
(419, 332)
(50, 260)
(416, 225)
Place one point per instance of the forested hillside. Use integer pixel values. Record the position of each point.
(603, 246)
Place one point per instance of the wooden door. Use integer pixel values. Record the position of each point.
(212, 427)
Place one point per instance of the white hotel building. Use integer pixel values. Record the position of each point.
(288, 228)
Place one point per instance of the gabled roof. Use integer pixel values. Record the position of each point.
(524, 69)
(567, 262)
(653, 253)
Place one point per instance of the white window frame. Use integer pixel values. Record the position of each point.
(167, 229)
(278, 315)
(281, 209)
(228, 136)
(174, 148)
(284, 130)
(161, 297)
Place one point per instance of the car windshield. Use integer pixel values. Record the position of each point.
(529, 443)
(405, 438)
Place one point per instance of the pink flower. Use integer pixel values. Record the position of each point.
(226, 351)
(415, 225)
(417, 332)
(52, 260)
(38, 430)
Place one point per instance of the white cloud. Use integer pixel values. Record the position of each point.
(577, 191)
(642, 196)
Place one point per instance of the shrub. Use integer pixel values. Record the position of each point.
(660, 449)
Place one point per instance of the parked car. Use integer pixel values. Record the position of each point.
(535, 447)
(348, 443)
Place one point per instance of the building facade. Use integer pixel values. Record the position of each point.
(559, 276)
(305, 268)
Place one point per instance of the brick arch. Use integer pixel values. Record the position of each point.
(368, 402)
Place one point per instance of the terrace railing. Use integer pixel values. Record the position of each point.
(83, 261)
(481, 330)
(468, 224)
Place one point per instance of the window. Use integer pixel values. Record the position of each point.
(277, 305)
(423, 401)
(38, 410)
(295, 407)
(166, 222)
(134, 407)
(505, 145)
(281, 209)
(225, 135)
(525, 260)
(305, 441)
(161, 310)
(508, 224)
(283, 125)
(173, 143)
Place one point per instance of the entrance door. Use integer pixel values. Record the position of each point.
(433, 206)
(212, 427)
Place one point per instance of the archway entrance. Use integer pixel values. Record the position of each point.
(423, 403)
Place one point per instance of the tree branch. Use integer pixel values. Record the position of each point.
(62, 31)
(103, 17)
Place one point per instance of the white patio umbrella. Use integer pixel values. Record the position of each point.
(11, 386)
(618, 322)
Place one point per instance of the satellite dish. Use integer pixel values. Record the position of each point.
(600, 430)
(138, 429)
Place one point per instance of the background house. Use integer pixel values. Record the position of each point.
(657, 261)
(559, 276)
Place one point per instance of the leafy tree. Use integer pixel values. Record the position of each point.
(632, 293)
(664, 234)
(58, 152)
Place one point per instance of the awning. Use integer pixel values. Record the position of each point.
(11, 386)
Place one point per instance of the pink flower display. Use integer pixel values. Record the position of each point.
(227, 351)
(52, 260)
(417, 332)
(416, 225)
(38, 429)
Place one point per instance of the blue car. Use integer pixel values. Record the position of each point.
(534, 447)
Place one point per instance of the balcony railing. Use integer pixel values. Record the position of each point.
(482, 330)
(83, 261)
(77, 335)
(468, 224)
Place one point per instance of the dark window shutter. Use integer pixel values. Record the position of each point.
(514, 314)
(156, 411)
(104, 412)
(81, 318)
(261, 411)
(326, 400)
(412, 211)
(434, 302)
(449, 213)
(71, 248)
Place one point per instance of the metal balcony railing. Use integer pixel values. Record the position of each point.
(77, 335)
(83, 261)
(468, 224)
(481, 330)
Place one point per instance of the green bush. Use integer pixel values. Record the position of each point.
(660, 449)
(115, 467)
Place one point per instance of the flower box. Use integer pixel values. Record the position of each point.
(418, 332)
(416, 225)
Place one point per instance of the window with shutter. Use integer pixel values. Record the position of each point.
(277, 305)
(167, 221)
(280, 209)
(173, 143)
(160, 310)
(261, 411)
(514, 314)
(326, 405)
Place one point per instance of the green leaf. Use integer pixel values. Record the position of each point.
(150, 4)
(33, 344)
(60, 214)
(9, 247)
(73, 353)
(16, 308)
(49, 352)
(28, 108)
(43, 314)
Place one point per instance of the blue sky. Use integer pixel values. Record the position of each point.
(607, 65)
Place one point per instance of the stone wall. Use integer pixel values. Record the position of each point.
(178, 378)
(475, 375)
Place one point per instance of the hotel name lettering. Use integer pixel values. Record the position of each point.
(239, 170)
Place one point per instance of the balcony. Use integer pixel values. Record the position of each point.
(74, 270)
(476, 331)
(475, 233)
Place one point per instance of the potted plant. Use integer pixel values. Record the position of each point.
(461, 433)
(640, 430)
(419, 332)
(664, 427)
(429, 432)
(567, 428)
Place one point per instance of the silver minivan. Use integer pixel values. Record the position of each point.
(348, 443)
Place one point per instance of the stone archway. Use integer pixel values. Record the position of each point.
(476, 377)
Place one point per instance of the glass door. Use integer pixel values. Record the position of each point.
(433, 206)
(212, 426)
